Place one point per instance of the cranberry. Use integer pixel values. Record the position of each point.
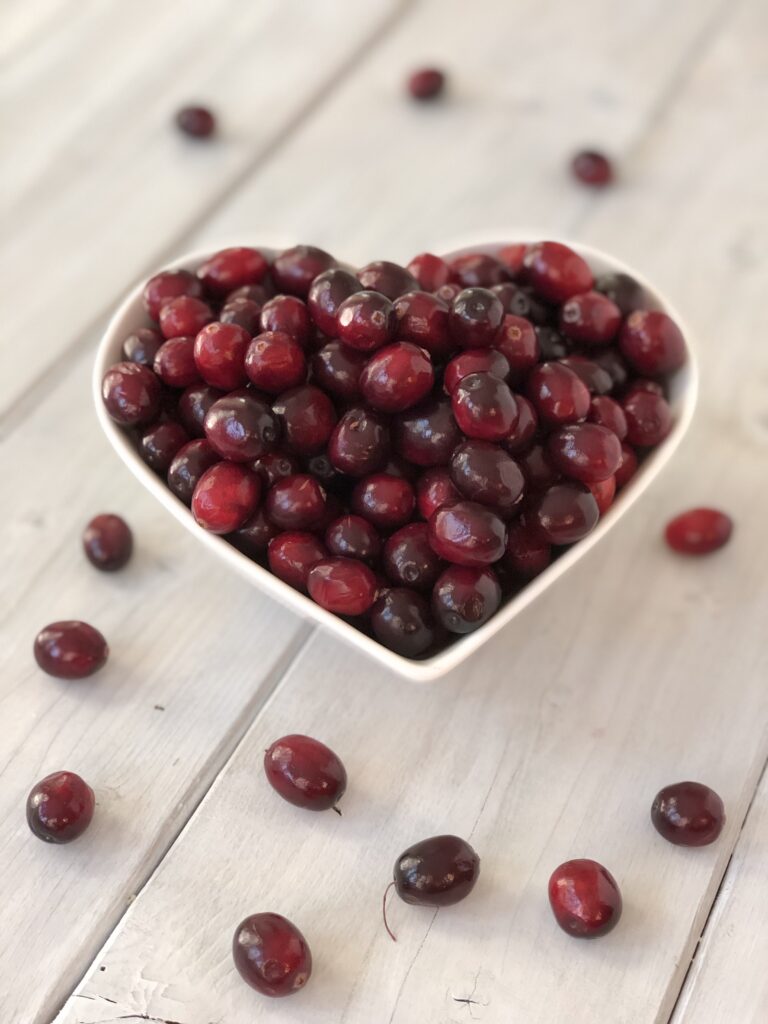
(585, 898)
(426, 435)
(189, 464)
(430, 271)
(326, 294)
(527, 554)
(597, 379)
(226, 497)
(168, 285)
(448, 292)
(652, 342)
(308, 418)
(288, 314)
(220, 355)
(603, 491)
(474, 360)
(556, 272)
(436, 872)
(160, 443)
(389, 279)
(353, 537)
(384, 500)
(538, 471)
(627, 466)
(623, 290)
(557, 394)
(518, 342)
(197, 122)
(552, 345)
(241, 427)
(397, 377)
(401, 620)
(608, 413)
(337, 368)
(344, 586)
(590, 318)
(252, 538)
(688, 814)
(564, 513)
(641, 384)
(512, 257)
(465, 597)
(258, 293)
(108, 542)
(483, 472)
(359, 443)
(131, 394)
(296, 502)
(700, 531)
(409, 560)
(193, 406)
(175, 363)
(366, 321)
(273, 466)
(423, 319)
(232, 268)
(184, 316)
(433, 489)
(614, 364)
(141, 346)
(397, 466)
(649, 418)
(295, 269)
(467, 533)
(60, 807)
(292, 555)
(478, 270)
(426, 84)
(305, 772)
(519, 300)
(484, 407)
(592, 168)
(519, 439)
(584, 451)
(275, 362)
(70, 650)
(271, 955)
(475, 317)
(243, 313)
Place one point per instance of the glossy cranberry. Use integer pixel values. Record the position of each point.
(353, 537)
(484, 407)
(184, 316)
(271, 955)
(649, 418)
(141, 346)
(193, 406)
(483, 472)
(344, 586)
(592, 168)
(627, 466)
(131, 394)
(520, 438)
(467, 533)
(292, 554)
(384, 500)
(60, 807)
(337, 369)
(389, 279)
(108, 542)
(252, 538)
(465, 597)
(538, 471)
(699, 531)
(305, 772)
(159, 444)
(564, 513)
(288, 314)
(232, 268)
(641, 384)
(308, 418)
(688, 814)
(226, 497)
(296, 502)
(189, 464)
(273, 466)
(478, 270)
(623, 290)
(512, 257)
(552, 344)
(527, 554)
(558, 394)
(584, 451)
(401, 620)
(556, 272)
(606, 412)
(197, 122)
(519, 300)
(175, 363)
(366, 321)
(430, 271)
(585, 898)
(603, 491)
(518, 342)
(611, 361)
(258, 293)
(295, 269)
(275, 362)
(409, 560)
(597, 379)
(426, 84)
(652, 342)
(241, 427)
(433, 489)
(423, 319)
(397, 377)
(474, 360)
(475, 317)
(326, 294)
(426, 435)
(448, 292)
(70, 650)
(436, 872)
(359, 444)
(168, 285)
(244, 313)
(220, 355)
(590, 318)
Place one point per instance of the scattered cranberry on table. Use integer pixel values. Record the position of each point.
(305, 772)
(436, 872)
(426, 84)
(688, 814)
(197, 122)
(699, 531)
(271, 955)
(585, 898)
(108, 542)
(70, 649)
(592, 168)
(60, 807)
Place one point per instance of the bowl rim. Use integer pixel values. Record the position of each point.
(684, 393)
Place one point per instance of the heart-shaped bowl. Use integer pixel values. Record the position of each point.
(683, 386)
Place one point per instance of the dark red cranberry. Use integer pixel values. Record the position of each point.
(512, 257)
(70, 650)
(518, 342)
(623, 290)
(141, 346)
(475, 317)
(448, 292)
(131, 394)
(189, 464)
(627, 466)
(244, 313)
(426, 84)
(197, 122)
(423, 319)
(483, 472)
(436, 872)
(337, 368)
(465, 597)
(401, 620)
(193, 406)
(520, 438)
(366, 321)
(688, 814)
(159, 444)
(292, 554)
(611, 361)
(603, 491)
(564, 513)
(409, 560)
(220, 355)
(384, 500)
(397, 377)
(296, 502)
(308, 418)
(321, 467)
(592, 168)
(433, 489)
(430, 271)
(649, 418)
(359, 444)
(175, 363)
(585, 898)
(241, 427)
(226, 497)
(232, 268)
(484, 407)
(184, 316)
(275, 362)
(60, 807)
(590, 318)
(305, 772)
(108, 542)
(326, 294)
(252, 538)
(556, 272)
(353, 537)
(558, 395)
(640, 384)
(426, 435)
(344, 586)
(288, 314)
(699, 531)
(168, 285)
(519, 300)
(295, 269)
(652, 342)
(584, 451)
(397, 466)
(474, 360)
(538, 471)
(608, 413)
(552, 345)
(597, 379)
(389, 279)
(271, 955)
(258, 293)
(273, 466)
(467, 533)
(527, 554)
(478, 270)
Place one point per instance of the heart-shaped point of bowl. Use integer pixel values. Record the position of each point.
(681, 387)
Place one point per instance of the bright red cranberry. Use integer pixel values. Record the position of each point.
(366, 321)
(168, 285)
(273, 466)
(359, 444)
(159, 444)
(60, 807)
(688, 814)
(305, 772)
(520, 438)
(649, 418)
(353, 537)
(252, 538)
(423, 319)
(344, 586)
(623, 290)
(608, 413)
(436, 872)
(433, 489)
(131, 394)
(271, 955)
(384, 500)
(226, 497)
(426, 435)
(426, 84)
(519, 300)
(241, 427)
(232, 268)
(597, 379)
(184, 316)
(592, 168)
(478, 270)
(627, 466)
(475, 317)
(337, 369)
(584, 451)
(189, 464)
(193, 406)
(275, 362)
(389, 279)
(484, 407)
(409, 560)
(430, 271)
(292, 554)
(518, 342)
(141, 346)
(295, 269)
(467, 533)
(652, 342)
(700, 531)
(474, 360)
(558, 394)
(585, 898)
(465, 597)
(401, 620)
(527, 554)
(512, 257)
(220, 355)
(326, 294)
(108, 542)
(483, 472)
(397, 377)
(288, 314)
(603, 491)
(175, 363)
(197, 122)
(611, 361)
(538, 471)
(70, 650)
(590, 318)
(296, 502)
(556, 272)
(243, 313)
(308, 418)
(564, 513)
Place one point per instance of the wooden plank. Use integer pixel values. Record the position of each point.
(25, 23)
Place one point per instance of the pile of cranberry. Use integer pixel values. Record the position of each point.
(409, 446)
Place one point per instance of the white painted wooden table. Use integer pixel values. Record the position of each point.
(637, 670)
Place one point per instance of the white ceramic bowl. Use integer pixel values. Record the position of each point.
(683, 389)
